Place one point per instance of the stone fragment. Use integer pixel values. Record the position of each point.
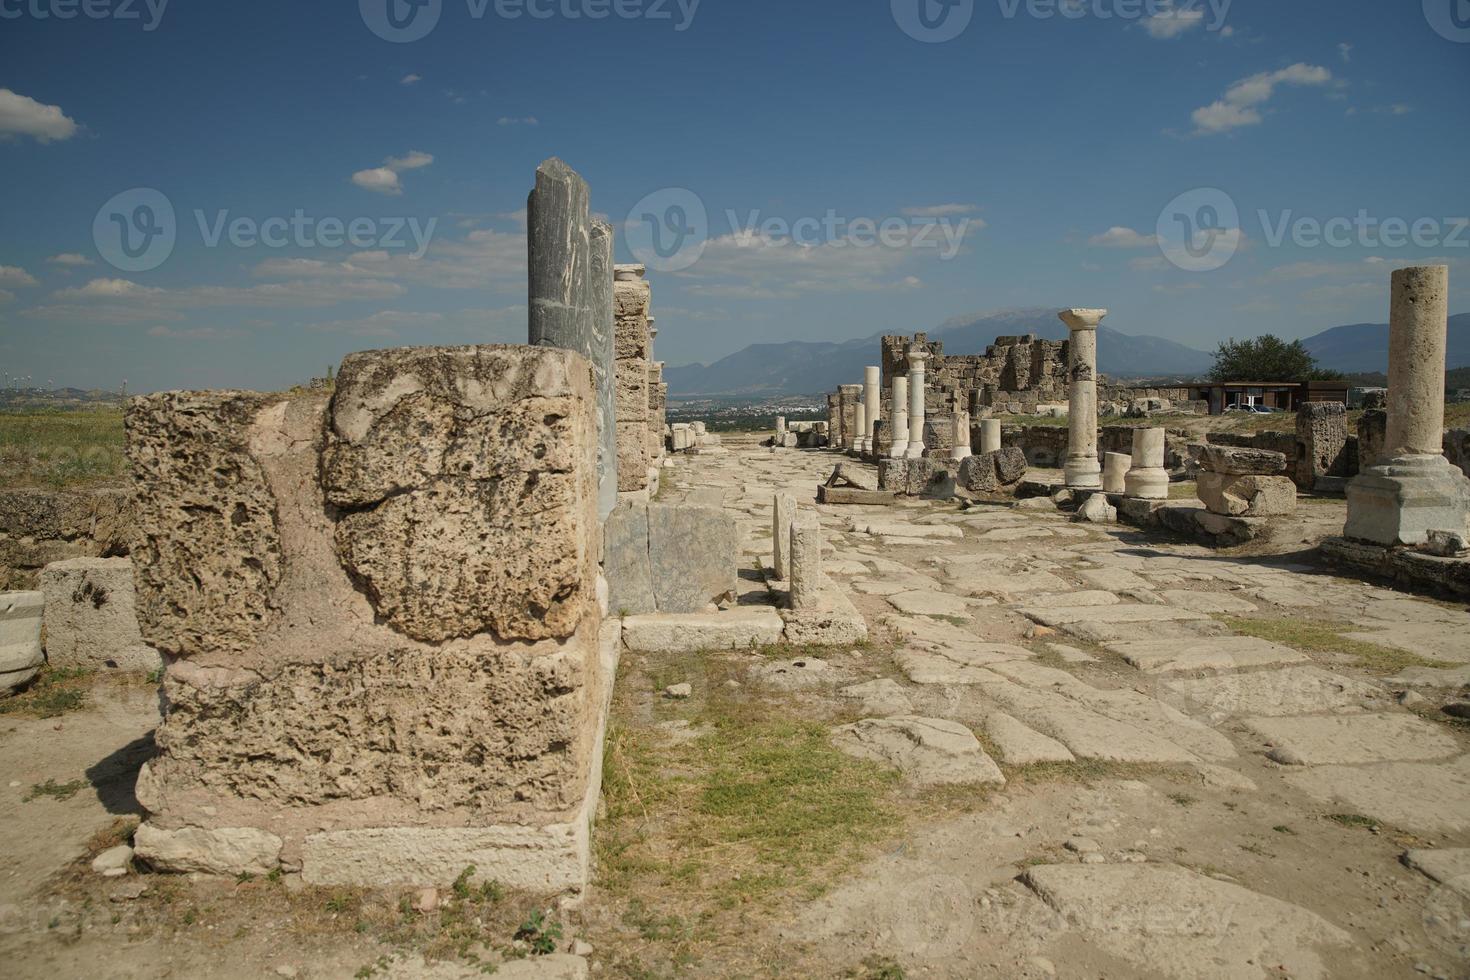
(800, 674)
(1241, 461)
(808, 581)
(221, 851)
(1096, 510)
(1115, 472)
(1160, 917)
(1022, 746)
(922, 477)
(853, 475)
(852, 495)
(1322, 444)
(626, 563)
(1447, 865)
(1352, 739)
(679, 692)
(21, 616)
(730, 629)
(1447, 544)
(91, 620)
(1247, 496)
(928, 751)
(993, 472)
(1146, 478)
(114, 859)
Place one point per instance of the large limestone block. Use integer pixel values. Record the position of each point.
(20, 637)
(692, 555)
(632, 391)
(731, 629)
(223, 851)
(91, 619)
(782, 515)
(1247, 496)
(1240, 461)
(994, 472)
(204, 535)
(917, 477)
(633, 456)
(625, 561)
(429, 448)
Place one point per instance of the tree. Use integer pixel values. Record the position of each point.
(1267, 358)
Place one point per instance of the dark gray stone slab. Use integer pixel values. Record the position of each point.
(626, 564)
(692, 555)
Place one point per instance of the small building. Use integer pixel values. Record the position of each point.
(1278, 396)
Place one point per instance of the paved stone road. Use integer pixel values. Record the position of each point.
(1299, 778)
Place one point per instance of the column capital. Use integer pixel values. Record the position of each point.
(1082, 319)
(917, 356)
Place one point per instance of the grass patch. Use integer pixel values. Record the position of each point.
(52, 790)
(1353, 820)
(58, 448)
(1326, 636)
(1183, 491)
(53, 693)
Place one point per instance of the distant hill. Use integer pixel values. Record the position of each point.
(797, 367)
(1363, 347)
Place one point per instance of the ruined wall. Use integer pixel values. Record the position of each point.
(38, 527)
(634, 352)
(379, 615)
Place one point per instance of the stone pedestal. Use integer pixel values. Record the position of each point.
(571, 306)
(960, 449)
(872, 396)
(900, 418)
(1115, 472)
(1321, 443)
(783, 512)
(1147, 479)
(386, 660)
(848, 398)
(1083, 471)
(1414, 490)
(806, 575)
(990, 436)
(780, 430)
(918, 358)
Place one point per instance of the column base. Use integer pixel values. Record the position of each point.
(959, 455)
(914, 450)
(1083, 473)
(1147, 484)
(1401, 501)
(897, 450)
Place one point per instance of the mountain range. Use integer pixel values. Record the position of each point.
(809, 368)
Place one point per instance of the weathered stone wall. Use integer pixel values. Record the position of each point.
(632, 296)
(1322, 444)
(380, 618)
(1045, 446)
(38, 527)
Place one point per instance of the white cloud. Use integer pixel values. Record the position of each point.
(125, 300)
(72, 259)
(1119, 237)
(195, 333)
(1345, 51)
(410, 79)
(1152, 263)
(11, 275)
(484, 259)
(508, 323)
(384, 179)
(6, 296)
(939, 210)
(514, 121)
(24, 116)
(1171, 23)
(1242, 102)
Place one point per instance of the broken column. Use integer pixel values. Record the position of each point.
(918, 356)
(634, 351)
(780, 430)
(900, 443)
(859, 426)
(1413, 489)
(783, 512)
(960, 448)
(570, 262)
(21, 614)
(871, 395)
(989, 436)
(378, 609)
(1147, 479)
(848, 397)
(1115, 472)
(1322, 445)
(1083, 471)
(805, 573)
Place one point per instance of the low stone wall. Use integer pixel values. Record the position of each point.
(1457, 448)
(38, 527)
(1045, 446)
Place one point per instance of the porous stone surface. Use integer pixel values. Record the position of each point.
(21, 615)
(928, 751)
(431, 447)
(205, 542)
(1247, 496)
(1322, 443)
(993, 472)
(1241, 461)
(221, 851)
(91, 621)
(927, 477)
(41, 526)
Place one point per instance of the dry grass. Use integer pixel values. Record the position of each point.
(1327, 636)
(54, 448)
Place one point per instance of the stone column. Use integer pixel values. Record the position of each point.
(871, 397)
(990, 436)
(571, 305)
(900, 443)
(1413, 489)
(918, 356)
(859, 426)
(780, 430)
(961, 448)
(1083, 471)
(806, 563)
(633, 348)
(1115, 472)
(1147, 479)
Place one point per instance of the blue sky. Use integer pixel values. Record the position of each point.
(1030, 160)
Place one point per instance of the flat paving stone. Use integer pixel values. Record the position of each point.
(734, 629)
(956, 665)
(905, 530)
(930, 604)
(1112, 579)
(1215, 653)
(1065, 615)
(1171, 922)
(1019, 745)
(928, 751)
(990, 582)
(879, 698)
(1428, 640)
(1326, 740)
(1432, 677)
(1447, 865)
(1087, 734)
(1208, 602)
(1061, 600)
(1417, 796)
(1277, 693)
